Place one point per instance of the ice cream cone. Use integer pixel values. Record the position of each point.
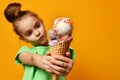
(60, 38)
(59, 49)
(54, 77)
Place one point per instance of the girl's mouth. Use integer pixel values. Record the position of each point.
(41, 38)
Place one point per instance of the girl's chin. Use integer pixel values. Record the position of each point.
(41, 43)
(44, 43)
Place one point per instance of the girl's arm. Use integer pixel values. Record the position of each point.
(57, 64)
(37, 60)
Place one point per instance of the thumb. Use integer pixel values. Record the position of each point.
(68, 54)
(48, 53)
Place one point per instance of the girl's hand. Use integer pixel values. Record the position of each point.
(43, 62)
(46, 62)
(61, 65)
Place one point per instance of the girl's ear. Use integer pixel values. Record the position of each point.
(21, 38)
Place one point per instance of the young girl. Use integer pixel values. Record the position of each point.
(37, 62)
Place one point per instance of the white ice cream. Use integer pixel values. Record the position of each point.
(63, 28)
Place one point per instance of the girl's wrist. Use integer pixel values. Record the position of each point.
(37, 61)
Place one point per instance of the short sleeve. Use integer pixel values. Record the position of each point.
(72, 53)
(23, 49)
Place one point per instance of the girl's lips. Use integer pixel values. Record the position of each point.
(41, 38)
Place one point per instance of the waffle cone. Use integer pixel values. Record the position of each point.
(59, 49)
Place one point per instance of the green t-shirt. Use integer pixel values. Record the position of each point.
(32, 72)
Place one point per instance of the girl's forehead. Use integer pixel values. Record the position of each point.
(28, 18)
(27, 21)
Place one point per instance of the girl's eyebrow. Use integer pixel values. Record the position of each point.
(27, 32)
(36, 22)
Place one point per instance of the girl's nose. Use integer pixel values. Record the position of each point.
(37, 33)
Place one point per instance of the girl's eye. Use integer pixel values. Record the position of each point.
(37, 25)
(28, 33)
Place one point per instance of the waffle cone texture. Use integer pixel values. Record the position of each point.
(60, 48)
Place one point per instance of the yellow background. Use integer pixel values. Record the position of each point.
(96, 37)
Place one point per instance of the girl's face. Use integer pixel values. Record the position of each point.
(32, 30)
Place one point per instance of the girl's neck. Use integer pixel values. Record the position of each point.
(46, 44)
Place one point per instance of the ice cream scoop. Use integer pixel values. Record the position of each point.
(62, 27)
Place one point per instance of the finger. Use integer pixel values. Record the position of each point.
(49, 70)
(46, 64)
(68, 54)
(70, 38)
(60, 73)
(59, 63)
(48, 53)
(58, 70)
(48, 58)
(63, 58)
